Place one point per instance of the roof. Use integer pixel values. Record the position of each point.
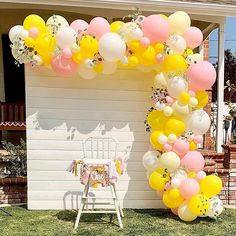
(218, 2)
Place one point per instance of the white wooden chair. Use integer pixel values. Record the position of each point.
(100, 150)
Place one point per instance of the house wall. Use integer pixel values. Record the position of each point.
(61, 112)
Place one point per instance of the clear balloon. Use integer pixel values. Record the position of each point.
(65, 37)
(184, 213)
(55, 22)
(86, 72)
(14, 31)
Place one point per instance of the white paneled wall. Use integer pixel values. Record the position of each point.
(61, 112)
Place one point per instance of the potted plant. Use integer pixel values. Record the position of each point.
(13, 180)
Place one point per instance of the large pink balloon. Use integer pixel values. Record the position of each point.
(181, 147)
(156, 28)
(63, 66)
(193, 37)
(98, 26)
(189, 187)
(193, 161)
(202, 75)
(79, 25)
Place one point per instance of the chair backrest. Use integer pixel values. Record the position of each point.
(100, 148)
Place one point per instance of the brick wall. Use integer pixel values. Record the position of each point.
(224, 164)
(13, 190)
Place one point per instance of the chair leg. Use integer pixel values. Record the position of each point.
(81, 207)
(115, 200)
(120, 208)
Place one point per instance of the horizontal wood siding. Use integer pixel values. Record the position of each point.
(61, 112)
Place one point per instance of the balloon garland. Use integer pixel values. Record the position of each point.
(177, 120)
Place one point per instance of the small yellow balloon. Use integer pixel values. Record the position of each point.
(163, 16)
(199, 204)
(45, 43)
(154, 140)
(211, 185)
(192, 145)
(188, 52)
(192, 174)
(29, 42)
(149, 54)
(98, 68)
(159, 48)
(174, 193)
(88, 46)
(170, 201)
(116, 25)
(77, 58)
(202, 98)
(34, 21)
(157, 120)
(174, 126)
(135, 45)
(175, 64)
(156, 181)
(133, 61)
(184, 98)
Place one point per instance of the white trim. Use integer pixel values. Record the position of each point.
(145, 5)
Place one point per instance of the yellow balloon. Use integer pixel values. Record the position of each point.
(202, 98)
(188, 52)
(199, 204)
(46, 58)
(163, 16)
(29, 42)
(157, 120)
(156, 181)
(133, 61)
(159, 48)
(174, 126)
(88, 46)
(174, 193)
(116, 25)
(98, 68)
(211, 185)
(149, 55)
(34, 21)
(184, 213)
(77, 58)
(154, 140)
(45, 43)
(175, 64)
(164, 173)
(135, 45)
(179, 22)
(192, 145)
(170, 201)
(184, 98)
(192, 174)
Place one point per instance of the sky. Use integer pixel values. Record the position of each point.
(230, 39)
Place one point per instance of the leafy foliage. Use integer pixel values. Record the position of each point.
(16, 161)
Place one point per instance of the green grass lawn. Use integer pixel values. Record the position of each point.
(136, 222)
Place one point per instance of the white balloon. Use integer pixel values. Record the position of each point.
(179, 174)
(193, 102)
(112, 47)
(89, 63)
(216, 207)
(150, 160)
(24, 34)
(176, 86)
(175, 182)
(137, 33)
(109, 67)
(55, 22)
(15, 30)
(38, 60)
(75, 47)
(162, 139)
(124, 60)
(172, 138)
(198, 122)
(184, 213)
(168, 111)
(180, 109)
(177, 44)
(65, 37)
(160, 81)
(170, 161)
(159, 106)
(85, 72)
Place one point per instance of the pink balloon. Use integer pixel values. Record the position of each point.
(192, 93)
(189, 187)
(159, 58)
(193, 37)
(193, 161)
(198, 139)
(145, 41)
(66, 52)
(168, 186)
(169, 99)
(63, 66)
(98, 26)
(79, 25)
(202, 75)
(167, 147)
(174, 211)
(33, 32)
(156, 28)
(181, 147)
(200, 175)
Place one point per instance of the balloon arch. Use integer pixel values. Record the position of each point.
(177, 120)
